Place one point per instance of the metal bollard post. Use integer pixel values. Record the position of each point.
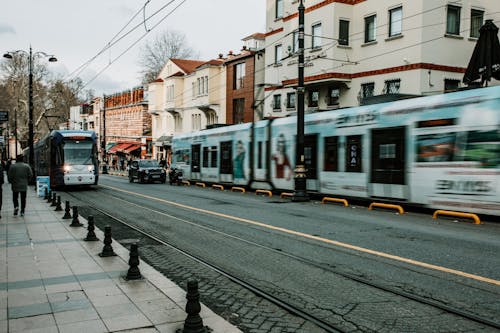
(46, 194)
(67, 210)
(91, 236)
(133, 272)
(58, 205)
(75, 222)
(49, 196)
(193, 322)
(107, 250)
(54, 201)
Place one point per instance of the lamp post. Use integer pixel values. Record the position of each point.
(31, 55)
(300, 191)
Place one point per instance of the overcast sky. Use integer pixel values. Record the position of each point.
(76, 31)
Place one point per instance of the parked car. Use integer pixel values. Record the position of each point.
(146, 171)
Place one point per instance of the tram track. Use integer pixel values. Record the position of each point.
(287, 306)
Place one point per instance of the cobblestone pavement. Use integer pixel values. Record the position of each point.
(239, 306)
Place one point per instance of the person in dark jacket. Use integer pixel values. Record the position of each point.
(19, 175)
(1, 184)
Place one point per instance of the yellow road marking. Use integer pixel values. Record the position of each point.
(321, 239)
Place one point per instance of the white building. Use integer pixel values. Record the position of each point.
(188, 95)
(361, 48)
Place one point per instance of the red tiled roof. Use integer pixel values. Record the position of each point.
(188, 66)
(257, 35)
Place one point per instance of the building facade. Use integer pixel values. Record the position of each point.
(126, 126)
(356, 49)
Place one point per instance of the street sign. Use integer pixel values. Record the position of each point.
(4, 116)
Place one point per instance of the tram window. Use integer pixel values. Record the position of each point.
(214, 157)
(353, 154)
(437, 147)
(483, 147)
(387, 151)
(205, 157)
(259, 155)
(331, 154)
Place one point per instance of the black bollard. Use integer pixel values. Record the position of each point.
(49, 196)
(91, 236)
(46, 194)
(133, 272)
(58, 205)
(75, 222)
(193, 322)
(107, 250)
(67, 209)
(54, 201)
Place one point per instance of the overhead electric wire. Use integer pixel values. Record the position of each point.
(133, 44)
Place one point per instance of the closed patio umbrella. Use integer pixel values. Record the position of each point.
(485, 61)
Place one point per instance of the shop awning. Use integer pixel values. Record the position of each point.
(118, 148)
(131, 148)
(109, 145)
(164, 140)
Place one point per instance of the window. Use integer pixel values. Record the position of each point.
(331, 154)
(343, 32)
(278, 54)
(290, 100)
(451, 84)
(367, 89)
(239, 76)
(206, 85)
(370, 28)
(333, 96)
(316, 35)
(353, 154)
(476, 21)
(238, 110)
(313, 98)
(279, 9)
(453, 20)
(395, 21)
(392, 86)
(277, 102)
(205, 157)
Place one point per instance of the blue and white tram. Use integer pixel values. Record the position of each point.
(440, 151)
(68, 157)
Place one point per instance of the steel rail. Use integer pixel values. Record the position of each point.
(292, 309)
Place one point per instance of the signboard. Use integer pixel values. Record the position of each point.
(42, 183)
(4, 116)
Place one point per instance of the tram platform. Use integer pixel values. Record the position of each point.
(51, 280)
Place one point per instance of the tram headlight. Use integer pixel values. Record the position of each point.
(90, 168)
(67, 168)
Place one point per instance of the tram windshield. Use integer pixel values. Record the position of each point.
(78, 153)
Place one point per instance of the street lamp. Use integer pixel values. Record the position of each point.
(300, 191)
(30, 55)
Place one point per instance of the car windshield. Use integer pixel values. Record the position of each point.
(149, 164)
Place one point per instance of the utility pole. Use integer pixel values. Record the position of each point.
(104, 158)
(300, 193)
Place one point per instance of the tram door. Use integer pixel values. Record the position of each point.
(388, 164)
(195, 161)
(311, 161)
(226, 161)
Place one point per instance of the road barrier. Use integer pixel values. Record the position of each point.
(133, 272)
(107, 250)
(388, 206)
(200, 184)
(236, 188)
(217, 186)
(193, 322)
(457, 214)
(328, 199)
(269, 193)
(91, 236)
(286, 194)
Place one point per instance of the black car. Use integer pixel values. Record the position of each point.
(146, 171)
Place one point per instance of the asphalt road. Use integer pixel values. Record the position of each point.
(308, 253)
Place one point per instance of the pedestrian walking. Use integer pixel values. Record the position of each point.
(1, 185)
(19, 175)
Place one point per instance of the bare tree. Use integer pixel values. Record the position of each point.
(154, 55)
(51, 97)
